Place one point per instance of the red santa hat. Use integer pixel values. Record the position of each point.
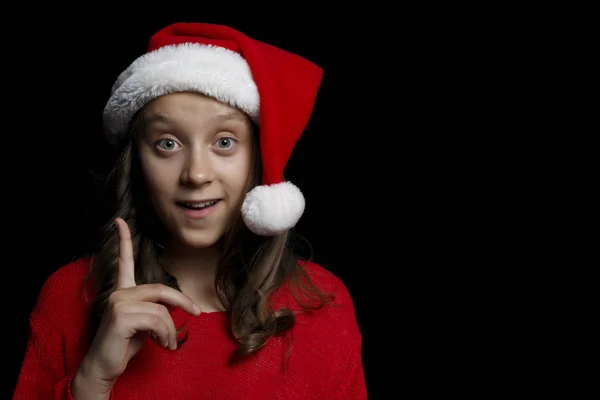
(276, 88)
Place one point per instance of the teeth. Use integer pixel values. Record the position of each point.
(200, 205)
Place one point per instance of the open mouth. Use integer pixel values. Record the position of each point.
(197, 206)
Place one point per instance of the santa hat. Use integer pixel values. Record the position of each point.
(277, 90)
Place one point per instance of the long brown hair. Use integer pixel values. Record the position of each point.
(251, 269)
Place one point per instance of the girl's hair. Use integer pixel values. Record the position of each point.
(252, 267)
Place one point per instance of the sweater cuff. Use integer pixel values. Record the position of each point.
(66, 393)
(62, 390)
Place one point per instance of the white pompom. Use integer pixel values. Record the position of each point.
(270, 210)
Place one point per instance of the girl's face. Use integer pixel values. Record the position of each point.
(196, 157)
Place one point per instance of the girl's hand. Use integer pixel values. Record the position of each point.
(132, 312)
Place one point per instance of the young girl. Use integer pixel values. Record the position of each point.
(194, 292)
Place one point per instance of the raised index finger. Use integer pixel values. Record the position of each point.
(126, 272)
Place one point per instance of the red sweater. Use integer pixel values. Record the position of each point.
(325, 361)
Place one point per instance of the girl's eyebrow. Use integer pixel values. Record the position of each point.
(157, 118)
(228, 116)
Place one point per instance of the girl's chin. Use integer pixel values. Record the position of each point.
(197, 238)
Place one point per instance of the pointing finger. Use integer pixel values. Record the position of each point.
(126, 271)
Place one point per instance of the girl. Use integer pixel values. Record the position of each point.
(194, 291)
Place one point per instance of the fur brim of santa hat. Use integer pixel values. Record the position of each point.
(276, 89)
(215, 71)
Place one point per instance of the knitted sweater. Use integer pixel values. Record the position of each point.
(324, 362)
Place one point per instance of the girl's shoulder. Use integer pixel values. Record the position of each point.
(69, 277)
(334, 326)
(328, 282)
(339, 311)
(63, 292)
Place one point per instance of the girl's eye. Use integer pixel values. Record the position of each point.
(225, 143)
(167, 144)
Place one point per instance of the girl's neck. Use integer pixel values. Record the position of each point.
(195, 270)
